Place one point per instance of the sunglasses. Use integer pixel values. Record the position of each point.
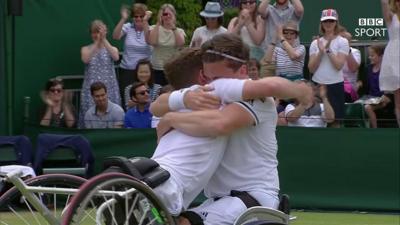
(55, 90)
(143, 92)
(165, 14)
(248, 2)
(289, 32)
(139, 17)
(210, 18)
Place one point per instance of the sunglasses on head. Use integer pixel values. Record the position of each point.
(248, 2)
(55, 90)
(143, 92)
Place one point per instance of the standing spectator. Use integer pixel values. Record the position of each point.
(327, 57)
(59, 111)
(135, 45)
(166, 39)
(350, 69)
(390, 73)
(250, 26)
(278, 14)
(104, 114)
(289, 56)
(316, 114)
(139, 116)
(99, 60)
(375, 53)
(213, 17)
(144, 73)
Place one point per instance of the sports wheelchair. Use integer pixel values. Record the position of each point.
(121, 195)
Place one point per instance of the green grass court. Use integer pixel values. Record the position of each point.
(330, 218)
(310, 218)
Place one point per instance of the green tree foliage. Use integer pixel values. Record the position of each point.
(229, 13)
(187, 14)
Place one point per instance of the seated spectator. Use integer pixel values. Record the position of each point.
(289, 55)
(139, 116)
(350, 69)
(376, 99)
(316, 114)
(253, 69)
(59, 111)
(104, 114)
(143, 73)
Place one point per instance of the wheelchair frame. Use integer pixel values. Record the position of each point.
(31, 194)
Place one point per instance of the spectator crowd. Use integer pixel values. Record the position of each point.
(271, 30)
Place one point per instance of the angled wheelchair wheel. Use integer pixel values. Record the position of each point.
(116, 198)
(259, 215)
(15, 209)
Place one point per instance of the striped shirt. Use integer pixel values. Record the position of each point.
(135, 47)
(287, 68)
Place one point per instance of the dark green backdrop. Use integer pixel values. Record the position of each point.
(49, 35)
(340, 169)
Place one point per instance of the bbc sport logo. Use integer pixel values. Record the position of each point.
(370, 22)
(370, 27)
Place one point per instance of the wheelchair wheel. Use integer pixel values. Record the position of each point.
(15, 209)
(116, 198)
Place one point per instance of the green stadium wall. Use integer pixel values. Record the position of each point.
(320, 168)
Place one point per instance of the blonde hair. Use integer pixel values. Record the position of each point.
(94, 25)
(167, 6)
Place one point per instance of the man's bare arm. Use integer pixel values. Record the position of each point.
(200, 99)
(160, 106)
(210, 123)
(298, 8)
(276, 87)
(262, 8)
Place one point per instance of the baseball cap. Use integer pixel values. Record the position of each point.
(329, 14)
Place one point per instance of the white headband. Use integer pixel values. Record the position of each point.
(226, 56)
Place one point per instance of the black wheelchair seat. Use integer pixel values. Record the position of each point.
(144, 169)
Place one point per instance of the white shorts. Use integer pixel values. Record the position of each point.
(224, 211)
(171, 194)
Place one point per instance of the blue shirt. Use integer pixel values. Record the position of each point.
(136, 119)
(373, 82)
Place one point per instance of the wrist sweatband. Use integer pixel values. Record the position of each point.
(175, 100)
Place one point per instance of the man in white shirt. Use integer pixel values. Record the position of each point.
(249, 165)
(317, 113)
